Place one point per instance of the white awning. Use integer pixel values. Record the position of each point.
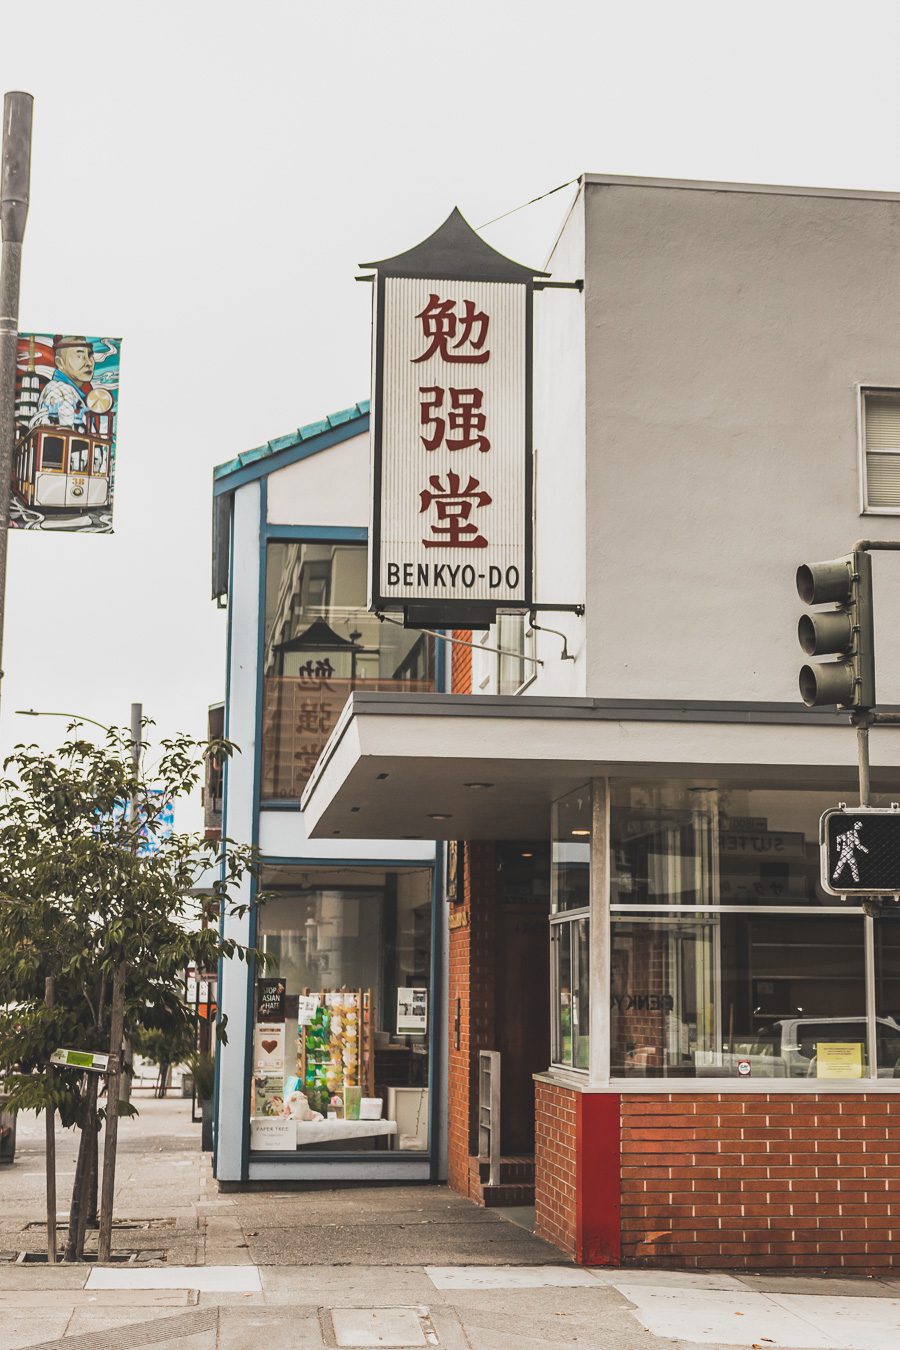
(444, 766)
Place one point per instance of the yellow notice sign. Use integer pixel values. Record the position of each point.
(839, 1059)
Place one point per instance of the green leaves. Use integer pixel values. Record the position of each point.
(77, 900)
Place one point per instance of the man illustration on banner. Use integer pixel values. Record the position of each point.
(69, 395)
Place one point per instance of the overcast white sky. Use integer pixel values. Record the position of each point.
(206, 176)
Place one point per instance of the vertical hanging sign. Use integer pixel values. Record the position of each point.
(451, 537)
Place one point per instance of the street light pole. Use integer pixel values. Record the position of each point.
(15, 174)
(116, 1032)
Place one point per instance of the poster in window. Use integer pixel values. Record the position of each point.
(270, 996)
(412, 1012)
(839, 1059)
(64, 459)
(268, 1048)
(268, 1095)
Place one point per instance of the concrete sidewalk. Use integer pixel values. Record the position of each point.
(373, 1266)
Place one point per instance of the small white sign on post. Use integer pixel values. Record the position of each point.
(81, 1059)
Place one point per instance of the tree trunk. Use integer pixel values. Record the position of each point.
(93, 1170)
(78, 1207)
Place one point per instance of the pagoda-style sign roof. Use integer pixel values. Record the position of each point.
(455, 252)
(319, 636)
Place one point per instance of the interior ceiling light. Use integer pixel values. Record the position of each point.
(526, 855)
(476, 786)
(439, 815)
(581, 833)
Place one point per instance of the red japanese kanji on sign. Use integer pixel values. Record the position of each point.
(440, 325)
(464, 416)
(454, 506)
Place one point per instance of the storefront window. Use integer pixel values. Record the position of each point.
(321, 643)
(570, 929)
(679, 845)
(723, 962)
(343, 1015)
(571, 852)
(756, 996)
(887, 994)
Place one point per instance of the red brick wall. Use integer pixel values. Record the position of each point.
(576, 1172)
(459, 981)
(461, 664)
(555, 1143)
(761, 1181)
(471, 992)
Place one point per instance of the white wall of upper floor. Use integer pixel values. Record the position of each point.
(559, 479)
(328, 488)
(727, 332)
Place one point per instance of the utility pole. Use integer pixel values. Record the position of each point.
(117, 1027)
(49, 1000)
(15, 175)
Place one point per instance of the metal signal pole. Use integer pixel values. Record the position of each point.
(15, 175)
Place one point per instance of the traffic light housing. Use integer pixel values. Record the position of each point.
(846, 630)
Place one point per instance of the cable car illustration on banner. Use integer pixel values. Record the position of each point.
(66, 404)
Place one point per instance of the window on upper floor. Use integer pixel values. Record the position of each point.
(880, 437)
(516, 642)
(321, 643)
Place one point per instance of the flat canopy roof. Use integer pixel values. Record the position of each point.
(456, 766)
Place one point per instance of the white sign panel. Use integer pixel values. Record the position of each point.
(452, 492)
(268, 1048)
(270, 1135)
(307, 1007)
(412, 1012)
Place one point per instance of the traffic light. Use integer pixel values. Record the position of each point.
(847, 631)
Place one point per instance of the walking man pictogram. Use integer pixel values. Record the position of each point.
(848, 843)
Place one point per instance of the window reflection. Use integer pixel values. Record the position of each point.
(756, 996)
(321, 643)
(674, 844)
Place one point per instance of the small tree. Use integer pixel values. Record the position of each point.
(93, 887)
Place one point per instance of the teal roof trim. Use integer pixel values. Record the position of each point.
(294, 440)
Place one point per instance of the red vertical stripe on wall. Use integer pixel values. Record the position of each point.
(598, 1168)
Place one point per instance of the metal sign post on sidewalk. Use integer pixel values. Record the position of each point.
(15, 174)
(117, 1027)
(49, 1000)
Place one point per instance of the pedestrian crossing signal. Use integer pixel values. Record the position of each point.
(860, 850)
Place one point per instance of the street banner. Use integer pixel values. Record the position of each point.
(451, 431)
(67, 401)
(155, 817)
